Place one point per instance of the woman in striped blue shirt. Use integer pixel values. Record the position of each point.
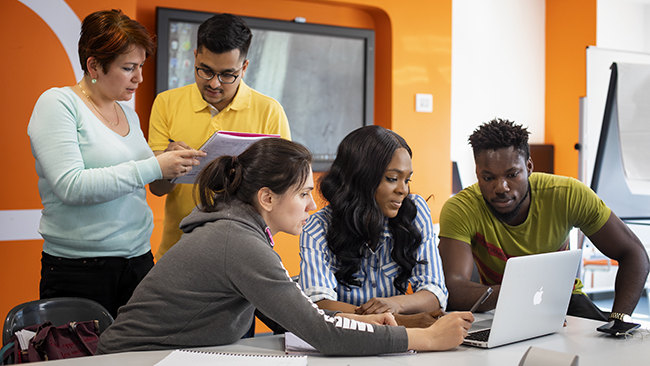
(361, 253)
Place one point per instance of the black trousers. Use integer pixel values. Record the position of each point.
(109, 281)
(582, 306)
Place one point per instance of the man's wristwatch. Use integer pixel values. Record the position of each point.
(620, 316)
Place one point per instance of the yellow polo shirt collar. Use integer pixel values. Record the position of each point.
(242, 99)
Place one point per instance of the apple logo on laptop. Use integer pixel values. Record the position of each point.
(537, 299)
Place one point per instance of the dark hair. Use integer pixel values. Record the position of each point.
(357, 220)
(223, 33)
(106, 34)
(275, 163)
(500, 133)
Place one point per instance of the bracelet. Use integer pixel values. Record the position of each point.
(620, 316)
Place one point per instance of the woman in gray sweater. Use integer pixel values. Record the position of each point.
(205, 289)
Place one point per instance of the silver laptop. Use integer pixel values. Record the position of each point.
(533, 299)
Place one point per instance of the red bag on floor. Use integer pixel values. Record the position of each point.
(75, 339)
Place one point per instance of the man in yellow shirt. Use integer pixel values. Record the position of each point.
(185, 117)
(512, 211)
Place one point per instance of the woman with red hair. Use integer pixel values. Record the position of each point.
(93, 163)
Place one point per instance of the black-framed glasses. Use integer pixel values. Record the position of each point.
(225, 78)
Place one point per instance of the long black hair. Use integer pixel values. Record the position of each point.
(357, 220)
(275, 163)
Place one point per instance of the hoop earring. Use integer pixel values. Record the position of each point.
(94, 81)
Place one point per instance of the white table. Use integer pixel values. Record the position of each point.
(579, 338)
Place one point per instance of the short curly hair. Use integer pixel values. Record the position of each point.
(500, 133)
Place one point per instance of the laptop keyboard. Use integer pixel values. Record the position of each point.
(481, 335)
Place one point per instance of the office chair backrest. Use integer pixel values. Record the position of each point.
(59, 311)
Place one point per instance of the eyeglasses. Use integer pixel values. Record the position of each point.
(225, 78)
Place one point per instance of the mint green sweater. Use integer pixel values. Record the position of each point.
(91, 180)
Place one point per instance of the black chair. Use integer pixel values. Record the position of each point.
(59, 311)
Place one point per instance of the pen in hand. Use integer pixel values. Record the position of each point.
(481, 299)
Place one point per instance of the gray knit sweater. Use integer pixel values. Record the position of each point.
(204, 290)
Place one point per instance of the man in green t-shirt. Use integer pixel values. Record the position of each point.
(512, 211)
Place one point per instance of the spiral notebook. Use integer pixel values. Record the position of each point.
(198, 358)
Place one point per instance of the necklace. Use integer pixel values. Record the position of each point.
(100, 113)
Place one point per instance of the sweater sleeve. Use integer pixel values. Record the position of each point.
(261, 278)
(54, 129)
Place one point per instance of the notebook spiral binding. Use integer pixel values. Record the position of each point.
(239, 354)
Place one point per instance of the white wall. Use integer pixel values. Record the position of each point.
(623, 25)
(498, 70)
(623, 35)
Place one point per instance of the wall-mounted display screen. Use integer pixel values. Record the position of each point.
(321, 75)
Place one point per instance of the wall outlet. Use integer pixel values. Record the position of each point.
(424, 103)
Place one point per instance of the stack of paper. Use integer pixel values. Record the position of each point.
(294, 344)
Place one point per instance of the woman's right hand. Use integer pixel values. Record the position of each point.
(177, 163)
(447, 332)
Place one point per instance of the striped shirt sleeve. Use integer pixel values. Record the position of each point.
(316, 277)
(429, 276)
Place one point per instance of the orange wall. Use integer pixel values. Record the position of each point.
(570, 28)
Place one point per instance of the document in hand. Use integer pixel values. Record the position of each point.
(219, 144)
(198, 358)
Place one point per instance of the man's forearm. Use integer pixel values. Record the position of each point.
(630, 282)
(336, 306)
(161, 187)
(463, 294)
(419, 302)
